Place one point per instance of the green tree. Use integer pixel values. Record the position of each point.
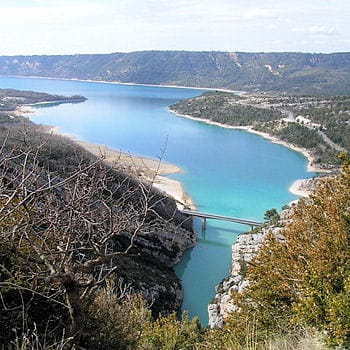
(271, 215)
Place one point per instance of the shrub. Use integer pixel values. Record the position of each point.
(169, 333)
(116, 321)
(304, 278)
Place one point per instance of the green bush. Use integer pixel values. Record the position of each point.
(169, 333)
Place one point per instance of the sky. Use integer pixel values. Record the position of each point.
(104, 26)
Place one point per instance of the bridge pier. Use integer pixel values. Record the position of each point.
(204, 224)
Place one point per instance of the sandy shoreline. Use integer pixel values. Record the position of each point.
(20, 111)
(298, 188)
(146, 169)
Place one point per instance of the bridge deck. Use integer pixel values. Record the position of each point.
(205, 216)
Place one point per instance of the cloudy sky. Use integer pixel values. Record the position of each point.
(104, 26)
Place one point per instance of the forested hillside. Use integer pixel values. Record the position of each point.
(294, 73)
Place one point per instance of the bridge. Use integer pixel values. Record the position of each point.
(206, 216)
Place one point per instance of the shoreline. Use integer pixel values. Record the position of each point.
(297, 188)
(131, 84)
(56, 102)
(274, 139)
(146, 169)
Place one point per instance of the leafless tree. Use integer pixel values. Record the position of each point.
(64, 229)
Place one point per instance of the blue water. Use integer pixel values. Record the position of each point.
(228, 172)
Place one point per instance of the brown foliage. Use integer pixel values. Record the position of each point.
(303, 279)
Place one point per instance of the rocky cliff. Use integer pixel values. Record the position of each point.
(149, 271)
(246, 247)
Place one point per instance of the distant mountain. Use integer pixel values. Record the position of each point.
(293, 73)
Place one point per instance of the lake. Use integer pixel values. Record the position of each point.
(225, 171)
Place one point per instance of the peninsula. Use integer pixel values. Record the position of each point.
(316, 126)
(13, 103)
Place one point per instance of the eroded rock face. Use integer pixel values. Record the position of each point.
(157, 283)
(246, 247)
(166, 246)
(149, 271)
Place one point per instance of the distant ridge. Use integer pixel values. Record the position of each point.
(292, 73)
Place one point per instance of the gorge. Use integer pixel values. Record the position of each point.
(228, 172)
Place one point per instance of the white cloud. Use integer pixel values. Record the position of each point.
(315, 29)
(70, 26)
(260, 13)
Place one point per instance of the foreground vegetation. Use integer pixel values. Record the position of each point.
(301, 278)
(69, 226)
(324, 134)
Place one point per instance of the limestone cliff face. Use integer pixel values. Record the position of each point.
(149, 269)
(246, 247)
(150, 272)
(157, 283)
(166, 246)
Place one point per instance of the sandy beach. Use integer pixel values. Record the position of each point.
(146, 169)
(21, 111)
(299, 188)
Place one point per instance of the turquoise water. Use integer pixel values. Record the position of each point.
(228, 172)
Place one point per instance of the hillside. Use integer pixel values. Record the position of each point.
(293, 73)
(298, 268)
(69, 224)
